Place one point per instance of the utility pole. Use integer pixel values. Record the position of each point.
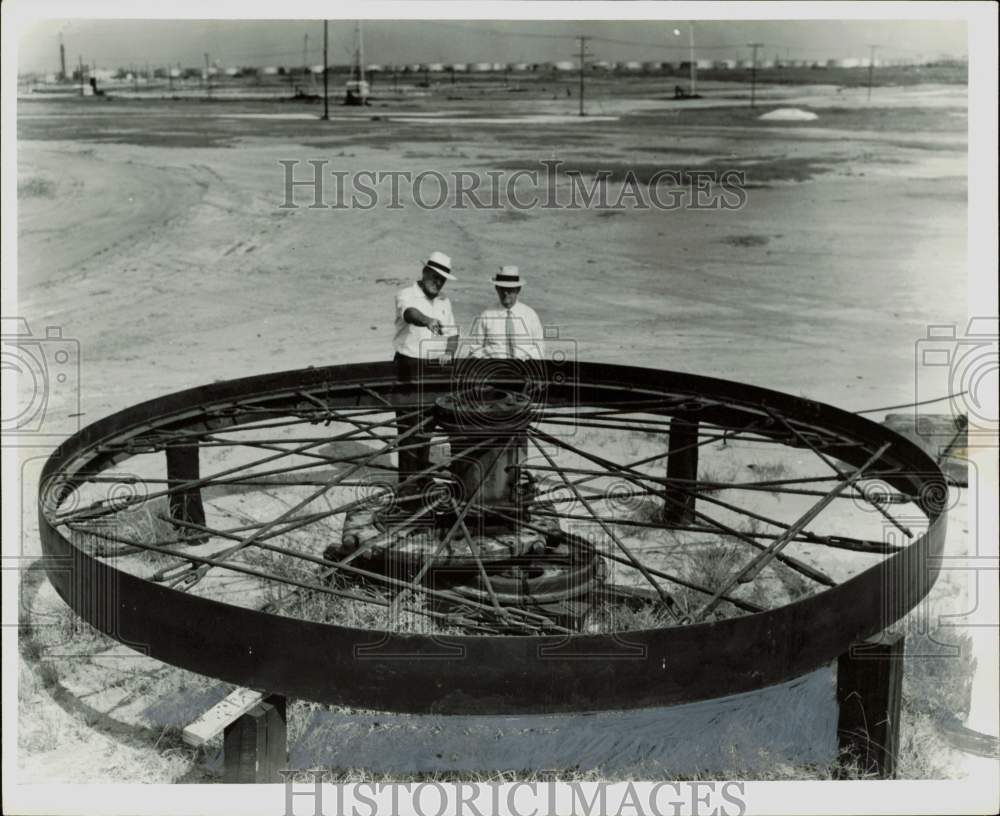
(753, 73)
(81, 75)
(691, 62)
(871, 68)
(583, 65)
(361, 55)
(62, 60)
(326, 70)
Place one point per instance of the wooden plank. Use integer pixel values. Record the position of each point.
(213, 721)
(869, 693)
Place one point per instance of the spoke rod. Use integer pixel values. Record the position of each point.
(344, 508)
(241, 482)
(902, 528)
(658, 456)
(705, 439)
(235, 567)
(440, 594)
(454, 527)
(634, 476)
(667, 601)
(195, 575)
(195, 483)
(753, 568)
(806, 537)
(332, 566)
(747, 606)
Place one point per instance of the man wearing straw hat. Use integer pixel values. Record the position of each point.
(511, 330)
(425, 332)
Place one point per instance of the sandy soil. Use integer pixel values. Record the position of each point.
(153, 235)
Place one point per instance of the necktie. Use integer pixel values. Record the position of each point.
(510, 334)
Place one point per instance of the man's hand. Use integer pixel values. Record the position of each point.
(435, 326)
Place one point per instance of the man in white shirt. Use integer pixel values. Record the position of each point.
(425, 331)
(512, 330)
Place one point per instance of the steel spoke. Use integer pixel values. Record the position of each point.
(903, 529)
(668, 602)
(195, 575)
(635, 476)
(753, 568)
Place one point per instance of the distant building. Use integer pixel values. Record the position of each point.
(704, 64)
(270, 70)
(499, 66)
(563, 65)
(435, 67)
(232, 72)
(600, 65)
(724, 65)
(481, 67)
(459, 67)
(520, 66)
(744, 64)
(632, 65)
(373, 68)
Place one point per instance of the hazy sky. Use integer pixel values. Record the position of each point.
(112, 43)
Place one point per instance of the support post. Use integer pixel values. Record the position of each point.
(182, 466)
(255, 747)
(682, 463)
(869, 693)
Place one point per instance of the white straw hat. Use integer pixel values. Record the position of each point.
(508, 277)
(441, 264)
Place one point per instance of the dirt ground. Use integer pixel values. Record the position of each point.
(152, 233)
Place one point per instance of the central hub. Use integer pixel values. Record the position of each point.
(487, 434)
(486, 429)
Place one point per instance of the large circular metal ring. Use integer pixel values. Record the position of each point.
(334, 663)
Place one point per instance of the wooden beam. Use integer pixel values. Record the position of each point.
(682, 464)
(255, 748)
(869, 694)
(213, 721)
(183, 466)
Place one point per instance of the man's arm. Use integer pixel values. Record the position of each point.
(415, 317)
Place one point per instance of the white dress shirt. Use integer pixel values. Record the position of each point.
(419, 341)
(490, 334)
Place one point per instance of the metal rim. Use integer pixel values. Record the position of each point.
(486, 674)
